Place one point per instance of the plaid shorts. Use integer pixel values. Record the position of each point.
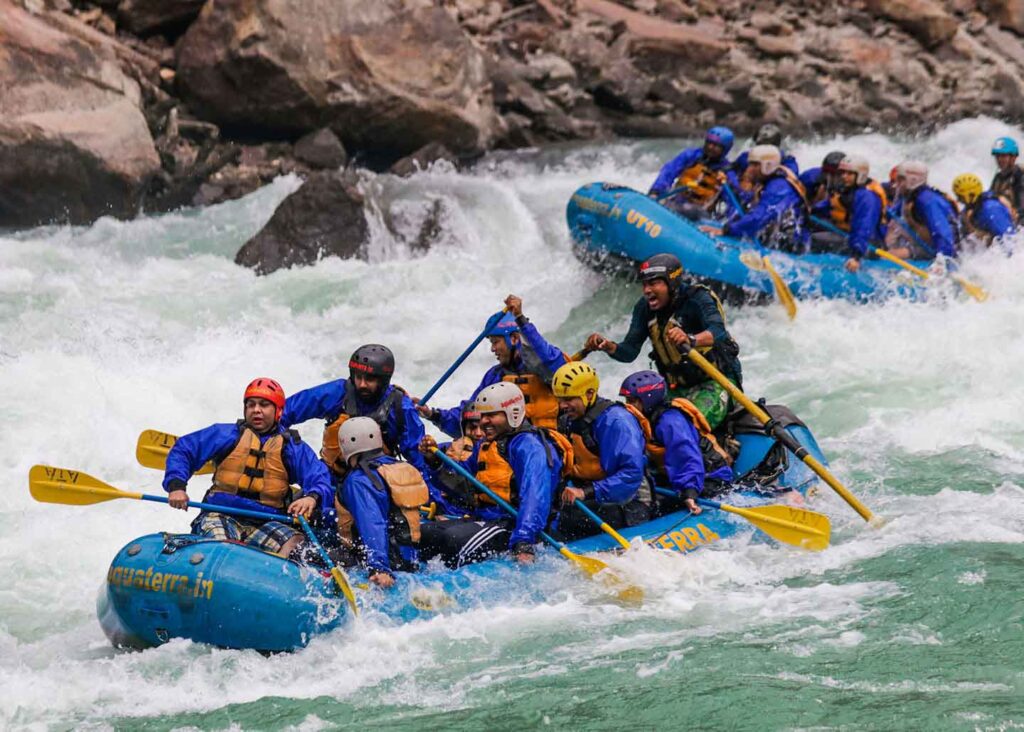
(269, 536)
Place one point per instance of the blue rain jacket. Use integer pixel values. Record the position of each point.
(370, 508)
(536, 483)
(622, 453)
(778, 198)
(991, 215)
(216, 442)
(671, 170)
(933, 210)
(866, 229)
(550, 357)
(684, 464)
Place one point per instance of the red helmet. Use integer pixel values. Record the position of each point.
(268, 389)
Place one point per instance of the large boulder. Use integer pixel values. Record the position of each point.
(383, 77)
(926, 20)
(145, 17)
(73, 146)
(1008, 13)
(323, 218)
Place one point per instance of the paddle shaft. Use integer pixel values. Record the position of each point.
(493, 496)
(601, 523)
(339, 577)
(780, 434)
(491, 322)
(881, 253)
(230, 510)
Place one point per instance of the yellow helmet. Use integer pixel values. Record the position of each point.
(967, 187)
(575, 379)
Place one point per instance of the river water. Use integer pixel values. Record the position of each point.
(110, 329)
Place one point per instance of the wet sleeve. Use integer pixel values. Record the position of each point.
(318, 402)
(772, 202)
(629, 347)
(671, 170)
(529, 461)
(622, 456)
(552, 358)
(369, 509)
(684, 464)
(306, 469)
(450, 420)
(934, 214)
(864, 221)
(191, 452)
(994, 218)
(709, 315)
(409, 440)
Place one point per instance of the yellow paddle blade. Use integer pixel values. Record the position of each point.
(71, 487)
(753, 260)
(796, 526)
(346, 589)
(152, 448)
(975, 291)
(625, 592)
(782, 291)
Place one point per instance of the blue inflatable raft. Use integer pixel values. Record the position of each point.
(164, 586)
(610, 222)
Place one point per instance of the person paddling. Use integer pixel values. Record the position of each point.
(669, 314)
(256, 460)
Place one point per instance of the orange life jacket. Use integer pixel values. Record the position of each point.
(495, 471)
(405, 488)
(541, 405)
(330, 451)
(585, 450)
(255, 471)
(841, 204)
(701, 183)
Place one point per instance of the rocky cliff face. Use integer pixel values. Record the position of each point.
(179, 102)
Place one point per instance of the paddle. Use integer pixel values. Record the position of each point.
(772, 428)
(795, 526)
(603, 526)
(975, 291)
(873, 250)
(491, 322)
(782, 292)
(152, 448)
(589, 565)
(75, 488)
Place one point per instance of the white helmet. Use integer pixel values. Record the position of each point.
(502, 397)
(856, 164)
(769, 156)
(913, 172)
(358, 435)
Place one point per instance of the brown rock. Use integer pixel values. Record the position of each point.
(770, 24)
(73, 146)
(324, 218)
(1007, 13)
(694, 43)
(1004, 44)
(383, 77)
(145, 17)
(422, 159)
(926, 20)
(776, 46)
(321, 149)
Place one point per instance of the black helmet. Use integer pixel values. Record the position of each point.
(373, 359)
(662, 267)
(830, 164)
(768, 134)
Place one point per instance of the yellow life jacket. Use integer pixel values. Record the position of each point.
(712, 453)
(330, 451)
(495, 471)
(701, 183)
(841, 204)
(254, 471)
(677, 369)
(406, 490)
(541, 405)
(586, 459)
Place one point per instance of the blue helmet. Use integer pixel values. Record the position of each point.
(647, 386)
(721, 136)
(505, 328)
(1005, 146)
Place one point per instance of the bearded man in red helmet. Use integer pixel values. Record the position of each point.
(256, 461)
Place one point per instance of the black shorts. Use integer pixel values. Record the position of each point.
(464, 541)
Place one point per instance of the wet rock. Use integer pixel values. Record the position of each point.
(73, 147)
(323, 218)
(146, 17)
(1007, 13)
(321, 150)
(926, 20)
(422, 159)
(383, 77)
